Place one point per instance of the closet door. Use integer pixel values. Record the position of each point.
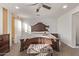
(5, 20)
(77, 29)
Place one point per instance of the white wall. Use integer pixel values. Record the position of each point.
(46, 20)
(66, 28)
(17, 30)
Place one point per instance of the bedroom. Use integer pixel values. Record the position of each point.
(53, 18)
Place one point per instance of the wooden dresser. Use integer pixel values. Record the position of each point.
(4, 44)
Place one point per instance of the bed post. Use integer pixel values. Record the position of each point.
(22, 45)
(57, 45)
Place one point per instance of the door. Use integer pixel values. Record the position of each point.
(17, 30)
(77, 29)
(5, 19)
(76, 26)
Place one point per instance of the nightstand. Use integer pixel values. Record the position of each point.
(56, 44)
(55, 34)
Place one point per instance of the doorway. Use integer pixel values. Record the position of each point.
(76, 27)
(16, 30)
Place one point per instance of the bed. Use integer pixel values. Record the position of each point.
(40, 37)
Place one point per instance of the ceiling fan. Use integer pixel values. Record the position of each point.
(41, 5)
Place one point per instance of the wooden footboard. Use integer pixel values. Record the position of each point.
(39, 40)
(55, 45)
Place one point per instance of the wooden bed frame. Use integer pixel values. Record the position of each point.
(39, 27)
(39, 40)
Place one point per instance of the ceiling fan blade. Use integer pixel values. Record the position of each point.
(45, 6)
(31, 4)
(34, 4)
(37, 10)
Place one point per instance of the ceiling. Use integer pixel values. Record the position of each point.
(26, 10)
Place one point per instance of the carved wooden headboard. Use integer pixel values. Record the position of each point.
(39, 27)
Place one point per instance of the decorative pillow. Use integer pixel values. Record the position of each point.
(37, 32)
(42, 32)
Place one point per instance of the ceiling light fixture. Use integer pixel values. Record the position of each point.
(17, 7)
(65, 6)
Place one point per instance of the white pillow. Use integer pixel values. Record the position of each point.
(42, 32)
(37, 32)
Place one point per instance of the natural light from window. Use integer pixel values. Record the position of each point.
(25, 27)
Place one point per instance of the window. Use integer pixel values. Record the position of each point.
(19, 24)
(25, 27)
